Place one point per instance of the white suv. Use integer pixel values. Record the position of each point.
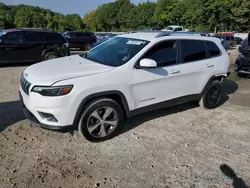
(122, 77)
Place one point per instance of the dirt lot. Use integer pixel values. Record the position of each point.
(182, 146)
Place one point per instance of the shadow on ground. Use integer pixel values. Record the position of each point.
(229, 172)
(229, 87)
(10, 113)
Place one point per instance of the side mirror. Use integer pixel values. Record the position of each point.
(148, 63)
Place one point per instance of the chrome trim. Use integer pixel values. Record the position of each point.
(25, 85)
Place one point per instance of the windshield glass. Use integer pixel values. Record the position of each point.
(116, 51)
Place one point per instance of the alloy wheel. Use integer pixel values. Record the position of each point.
(102, 122)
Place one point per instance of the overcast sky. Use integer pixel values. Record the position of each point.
(80, 7)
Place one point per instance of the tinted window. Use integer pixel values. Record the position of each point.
(13, 38)
(78, 34)
(232, 37)
(33, 37)
(193, 50)
(164, 54)
(87, 34)
(178, 29)
(51, 37)
(227, 37)
(212, 49)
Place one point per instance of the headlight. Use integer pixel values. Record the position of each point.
(53, 91)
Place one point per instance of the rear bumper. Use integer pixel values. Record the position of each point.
(34, 121)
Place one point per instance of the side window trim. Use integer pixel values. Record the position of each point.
(178, 57)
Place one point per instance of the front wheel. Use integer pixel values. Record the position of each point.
(49, 56)
(100, 120)
(212, 98)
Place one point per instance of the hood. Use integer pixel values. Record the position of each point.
(49, 72)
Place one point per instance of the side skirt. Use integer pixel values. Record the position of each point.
(165, 104)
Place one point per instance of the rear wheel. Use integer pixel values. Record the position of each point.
(211, 99)
(49, 56)
(100, 120)
(88, 47)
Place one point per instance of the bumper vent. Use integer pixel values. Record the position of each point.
(25, 84)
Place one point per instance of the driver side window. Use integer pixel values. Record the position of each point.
(164, 54)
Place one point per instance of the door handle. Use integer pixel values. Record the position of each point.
(175, 72)
(210, 65)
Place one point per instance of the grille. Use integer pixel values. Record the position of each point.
(25, 84)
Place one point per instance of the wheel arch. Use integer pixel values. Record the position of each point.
(219, 77)
(116, 95)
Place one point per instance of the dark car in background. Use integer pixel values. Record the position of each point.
(105, 38)
(242, 64)
(80, 40)
(228, 40)
(28, 45)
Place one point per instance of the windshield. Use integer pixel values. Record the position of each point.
(116, 51)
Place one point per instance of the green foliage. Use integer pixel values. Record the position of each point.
(23, 16)
(122, 15)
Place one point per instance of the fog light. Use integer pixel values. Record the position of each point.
(48, 117)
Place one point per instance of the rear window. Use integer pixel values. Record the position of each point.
(87, 34)
(33, 37)
(53, 37)
(213, 49)
(193, 50)
(78, 34)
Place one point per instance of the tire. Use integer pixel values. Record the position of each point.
(241, 75)
(94, 126)
(212, 97)
(88, 46)
(49, 56)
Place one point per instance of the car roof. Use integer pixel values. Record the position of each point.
(29, 30)
(151, 36)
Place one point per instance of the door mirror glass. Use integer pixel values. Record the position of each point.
(148, 63)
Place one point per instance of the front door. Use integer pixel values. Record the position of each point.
(151, 86)
(11, 45)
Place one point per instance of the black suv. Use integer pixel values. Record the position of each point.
(28, 45)
(242, 64)
(82, 40)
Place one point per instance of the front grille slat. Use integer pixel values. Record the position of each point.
(25, 84)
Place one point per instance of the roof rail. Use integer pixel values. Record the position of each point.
(171, 33)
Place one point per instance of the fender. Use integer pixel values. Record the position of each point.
(102, 94)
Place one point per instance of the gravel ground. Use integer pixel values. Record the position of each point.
(182, 146)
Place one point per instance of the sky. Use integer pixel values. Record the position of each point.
(80, 7)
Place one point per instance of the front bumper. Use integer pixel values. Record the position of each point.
(34, 121)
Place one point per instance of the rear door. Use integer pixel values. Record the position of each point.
(196, 67)
(33, 45)
(11, 47)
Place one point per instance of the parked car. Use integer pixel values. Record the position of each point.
(228, 40)
(238, 40)
(242, 64)
(125, 76)
(173, 28)
(82, 40)
(107, 37)
(27, 45)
